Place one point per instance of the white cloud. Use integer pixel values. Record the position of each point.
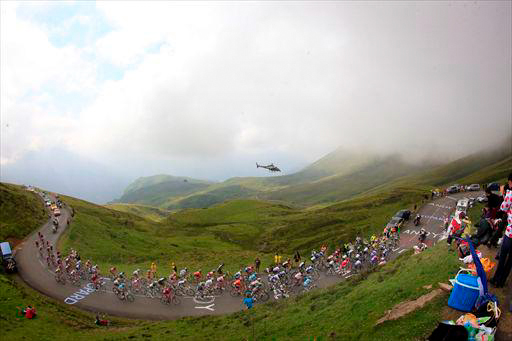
(32, 72)
(260, 79)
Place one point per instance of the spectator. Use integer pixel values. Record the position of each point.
(484, 232)
(493, 203)
(499, 225)
(29, 312)
(296, 257)
(505, 261)
(248, 301)
(257, 263)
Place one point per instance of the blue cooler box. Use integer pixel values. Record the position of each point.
(465, 292)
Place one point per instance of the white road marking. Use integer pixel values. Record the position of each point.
(402, 251)
(210, 299)
(209, 307)
(452, 198)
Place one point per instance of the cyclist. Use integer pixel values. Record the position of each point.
(423, 236)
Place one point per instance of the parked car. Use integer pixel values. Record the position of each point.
(481, 199)
(404, 214)
(453, 189)
(395, 222)
(494, 186)
(473, 187)
(8, 261)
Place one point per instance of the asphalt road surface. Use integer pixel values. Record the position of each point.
(34, 272)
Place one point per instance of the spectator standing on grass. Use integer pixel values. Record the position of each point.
(257, 263)
(296, 257)
(505, 261)
(153, 269)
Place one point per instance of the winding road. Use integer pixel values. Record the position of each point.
(35, 273)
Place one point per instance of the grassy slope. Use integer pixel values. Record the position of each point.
(480, 168)
(148, 212)
(340, 187)
(159, 193)
(347, 311)
(20, 212)
(337, 176)
(495, 172)
(211, 197)
(237, 231)
(128, 241)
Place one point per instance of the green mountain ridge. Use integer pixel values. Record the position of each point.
(337, 176)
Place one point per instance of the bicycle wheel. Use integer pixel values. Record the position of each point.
(164, 300)
(190, 292)
(130, 297)
(176, 300)
(263, 296)
(234, 292)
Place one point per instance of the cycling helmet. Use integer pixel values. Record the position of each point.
(252, 277)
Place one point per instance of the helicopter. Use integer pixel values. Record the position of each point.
(270, 167)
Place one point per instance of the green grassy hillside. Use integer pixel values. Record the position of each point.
(347, 311)
(498, 171)
(212, 197)
(148, 212)
(156, 190)
(336, 176)
(482, 167)
(237, 229)
(340, 187)
(21, 212)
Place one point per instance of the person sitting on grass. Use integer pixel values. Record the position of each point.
(29, 312)
(101, 322)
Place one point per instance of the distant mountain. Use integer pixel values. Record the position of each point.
(492, 164)
(158, 189)
(339, 175)
(336, 176)
(344, 185)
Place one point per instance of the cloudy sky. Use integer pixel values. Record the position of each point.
(98, 94)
